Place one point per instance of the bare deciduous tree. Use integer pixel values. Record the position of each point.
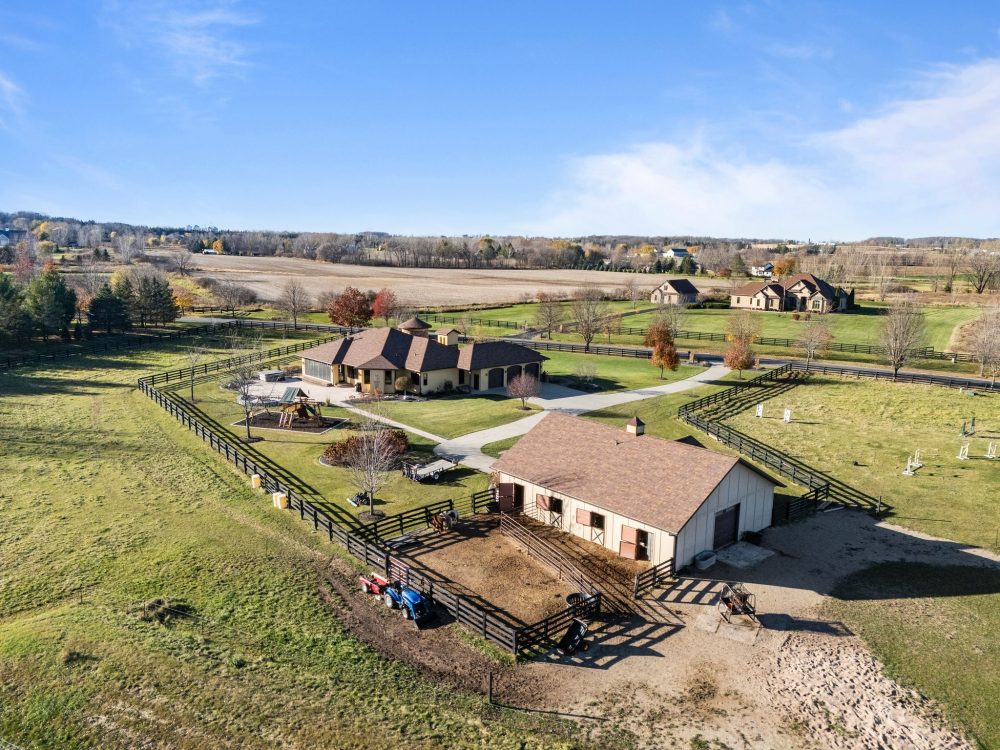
(902, 331)
(631, 290)
(815, 340)
(954, 261)
(883, 271)
(549, 314)
(244, 344)
(373, 455)
(588, 311)
(193, 355)
(129, 245)
(232, 296)
(671, 316)
(181, 261)
(294, 300)
(743, 326)
(585, 372)
(523, 386)
(984, 270)
(984, 342)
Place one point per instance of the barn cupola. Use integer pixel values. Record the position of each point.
(635, 426)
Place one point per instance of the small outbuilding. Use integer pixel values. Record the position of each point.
(641, 496)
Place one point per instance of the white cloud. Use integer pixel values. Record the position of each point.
(11, 99)
(924, 165)
(197, 40)
(799, 51)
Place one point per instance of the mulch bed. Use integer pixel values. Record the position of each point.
(267, 421)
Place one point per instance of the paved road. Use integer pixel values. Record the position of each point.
(467, 449)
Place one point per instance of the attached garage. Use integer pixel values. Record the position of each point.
(496, 378)
(643, 497)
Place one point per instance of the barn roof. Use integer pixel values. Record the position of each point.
(654, 481)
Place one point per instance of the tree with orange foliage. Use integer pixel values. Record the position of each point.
(786, 265)
(739, 356)
(660, 336)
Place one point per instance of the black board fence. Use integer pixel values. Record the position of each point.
(364, 542)
(649, 579)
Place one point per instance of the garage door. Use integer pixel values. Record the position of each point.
(496, 378)
(727, 527)
(531, 369)
(513, 372)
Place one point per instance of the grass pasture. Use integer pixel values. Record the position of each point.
(108, 502)
(837, 422)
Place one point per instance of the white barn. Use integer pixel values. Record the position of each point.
(640, 496)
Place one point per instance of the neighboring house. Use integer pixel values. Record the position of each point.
(376, 358)
(675, 292)
(801, 292)
(11, 236)
(765, 271)
(677, 253)
(640, 496)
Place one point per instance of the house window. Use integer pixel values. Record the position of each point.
(367, 376)
(351, 373)
(318, 370)
(425, 378)
(461, 377)
(737, 300)
(388, 377)
(817, 304)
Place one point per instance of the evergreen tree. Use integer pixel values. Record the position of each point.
(107, 311)
(687, 266)
(166, 308)
(123, 288)
(50, 303)
(146, 300)
(15, 323)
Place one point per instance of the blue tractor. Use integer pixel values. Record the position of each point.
(411, 602)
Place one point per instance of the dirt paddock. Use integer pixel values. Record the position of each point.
(476, 559)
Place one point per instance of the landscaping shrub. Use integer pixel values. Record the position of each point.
(338, 454)
(795, 316)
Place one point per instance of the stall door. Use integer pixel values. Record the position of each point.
(727, 527)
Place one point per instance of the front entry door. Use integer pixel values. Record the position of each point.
(727, 527)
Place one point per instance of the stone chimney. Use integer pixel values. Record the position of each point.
(635, 426)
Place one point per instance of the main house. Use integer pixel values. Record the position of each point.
(641, 496)
(675, 292)
(801, 292)
(376, 359)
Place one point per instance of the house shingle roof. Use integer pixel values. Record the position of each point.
(385, 349)
(485, 354)
(680, 286)
(654, 481)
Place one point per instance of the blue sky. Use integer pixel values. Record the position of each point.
(785, 119)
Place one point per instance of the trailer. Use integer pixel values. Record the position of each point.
(431, 471)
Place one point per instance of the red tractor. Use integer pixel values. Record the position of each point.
(374, 584)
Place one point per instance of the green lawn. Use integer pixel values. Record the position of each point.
(108, 502)
(452, 416)
(613, 373)
(330, 486)
(944, 645)
(496, 448)
(860, 327)
(838, 421)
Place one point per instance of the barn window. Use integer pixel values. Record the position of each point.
(597, 520)
(546, 502)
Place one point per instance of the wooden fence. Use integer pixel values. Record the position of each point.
(364, 542)
(544, 631)
(130, 342)
(649, 579)
(546, 553)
